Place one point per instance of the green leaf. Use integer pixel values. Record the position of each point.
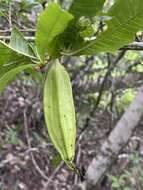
(126, 20)
(9, 58)
(59, 111)
(8, 76)
(88, 8)
(19, 44)
(52, 22)
(11, 62)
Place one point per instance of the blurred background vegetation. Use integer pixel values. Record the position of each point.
(103, 86)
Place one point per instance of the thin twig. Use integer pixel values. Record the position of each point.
(7, 38)
(52, 175)
(48, 179)
(132, 46)
(29, 147)
(10, 15)
(77, 161)
(21, 30)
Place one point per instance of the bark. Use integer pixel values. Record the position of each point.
(114, 144)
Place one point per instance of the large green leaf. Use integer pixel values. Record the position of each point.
(9, 60)
(52, 22)
(126, 20)
(8, 76)
(87, 8)
(14, 57)
(19, 44)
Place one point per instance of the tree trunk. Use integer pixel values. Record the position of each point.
(114, 144)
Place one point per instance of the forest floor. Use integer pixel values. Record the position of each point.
(28, 160)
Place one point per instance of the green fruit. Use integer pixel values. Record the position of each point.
(59, 112)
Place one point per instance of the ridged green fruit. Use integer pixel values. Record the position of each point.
(59, 112)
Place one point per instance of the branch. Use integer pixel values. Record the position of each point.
(52, 176)
(128, 81)
(132, 46)
(21, 30)
(7, 38)
(38, 169)
(10, 15)
(101, 89)
(29, 147)
(115, 143)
